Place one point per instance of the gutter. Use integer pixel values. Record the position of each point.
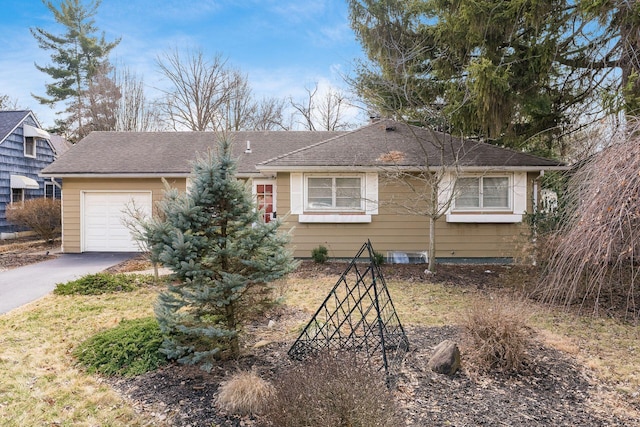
(392, 168)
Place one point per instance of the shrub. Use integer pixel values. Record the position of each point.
(100, 283)
(332, 391)
(378, 258)
(496, 335)
(42, 216)
(245, 393)
(129, 349)
(320, 254)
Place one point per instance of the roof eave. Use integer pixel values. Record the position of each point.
(410, 168)
(243, 175)
(112, 175)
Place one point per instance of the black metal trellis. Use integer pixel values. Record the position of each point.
(357, 315)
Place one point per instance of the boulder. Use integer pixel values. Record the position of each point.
(445, 358)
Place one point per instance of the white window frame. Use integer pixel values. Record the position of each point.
(481, 207)
(52, 186)
(333, 207)
(21, 195)
(254, 193)
(517, 201)
(30, 153)
(369, 200)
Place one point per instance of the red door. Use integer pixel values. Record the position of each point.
(266, 197)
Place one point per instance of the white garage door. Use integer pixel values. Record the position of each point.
(103, 226)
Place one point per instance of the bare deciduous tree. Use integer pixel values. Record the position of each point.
(598, 246)
(269, 115)
(135, 113)
(322, 111)
(115, 101)
(238, 108)
(199, 89)
(7, 103)
(101, 100)
(432, 185)
(208, 95)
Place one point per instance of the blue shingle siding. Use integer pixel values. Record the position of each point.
(14, 162)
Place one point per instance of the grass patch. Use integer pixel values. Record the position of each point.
(129, 349)
(608, 346)
(39, 381)
(40, 384)
(102, 283)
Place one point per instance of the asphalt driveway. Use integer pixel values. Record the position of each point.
(22, 285)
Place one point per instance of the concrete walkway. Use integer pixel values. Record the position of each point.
(22, 285)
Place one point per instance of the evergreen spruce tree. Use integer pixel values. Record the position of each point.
(223, 256)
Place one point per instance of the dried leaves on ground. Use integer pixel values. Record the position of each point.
(553, 389)
(17, 253)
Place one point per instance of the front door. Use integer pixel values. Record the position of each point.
(265, 192)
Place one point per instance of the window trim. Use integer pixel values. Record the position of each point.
(34, 140)
(49, 184)
(333, 208)
(480, 178)
(21, 195)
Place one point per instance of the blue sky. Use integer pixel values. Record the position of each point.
(283, 45)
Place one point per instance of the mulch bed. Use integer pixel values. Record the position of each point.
(20, 252)
(553, 391)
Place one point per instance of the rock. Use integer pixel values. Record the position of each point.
(271, 324)
(446, 358)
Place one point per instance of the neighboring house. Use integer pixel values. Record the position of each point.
(329, 188)
(25, 148)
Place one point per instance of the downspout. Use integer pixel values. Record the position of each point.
(534, 225)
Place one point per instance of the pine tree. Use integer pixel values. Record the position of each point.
(223, 257)
(524, 74)
(77, 55)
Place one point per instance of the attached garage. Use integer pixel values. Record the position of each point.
(103, 219)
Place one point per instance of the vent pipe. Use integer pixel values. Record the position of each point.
(248, 149)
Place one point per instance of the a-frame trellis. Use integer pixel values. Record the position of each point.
(357, 315)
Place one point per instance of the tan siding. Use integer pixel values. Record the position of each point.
(390, 230)
(395, 230)
(71, 209)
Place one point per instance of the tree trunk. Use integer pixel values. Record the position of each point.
(432, 244)
(232, 325)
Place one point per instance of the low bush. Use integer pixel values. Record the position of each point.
(101, 283)
(42, 216)
(320, 254)
(378, 258)
(496, 335)
(129, 349)
(245, 393)
(332, 391)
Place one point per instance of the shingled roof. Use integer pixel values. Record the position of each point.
(379, 144)
(387, 142)
(9, 120)
(171, 153)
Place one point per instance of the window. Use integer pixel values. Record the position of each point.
(17, 195)
(49, 190)
(338, 193)
(483, 193)
(29, 146)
